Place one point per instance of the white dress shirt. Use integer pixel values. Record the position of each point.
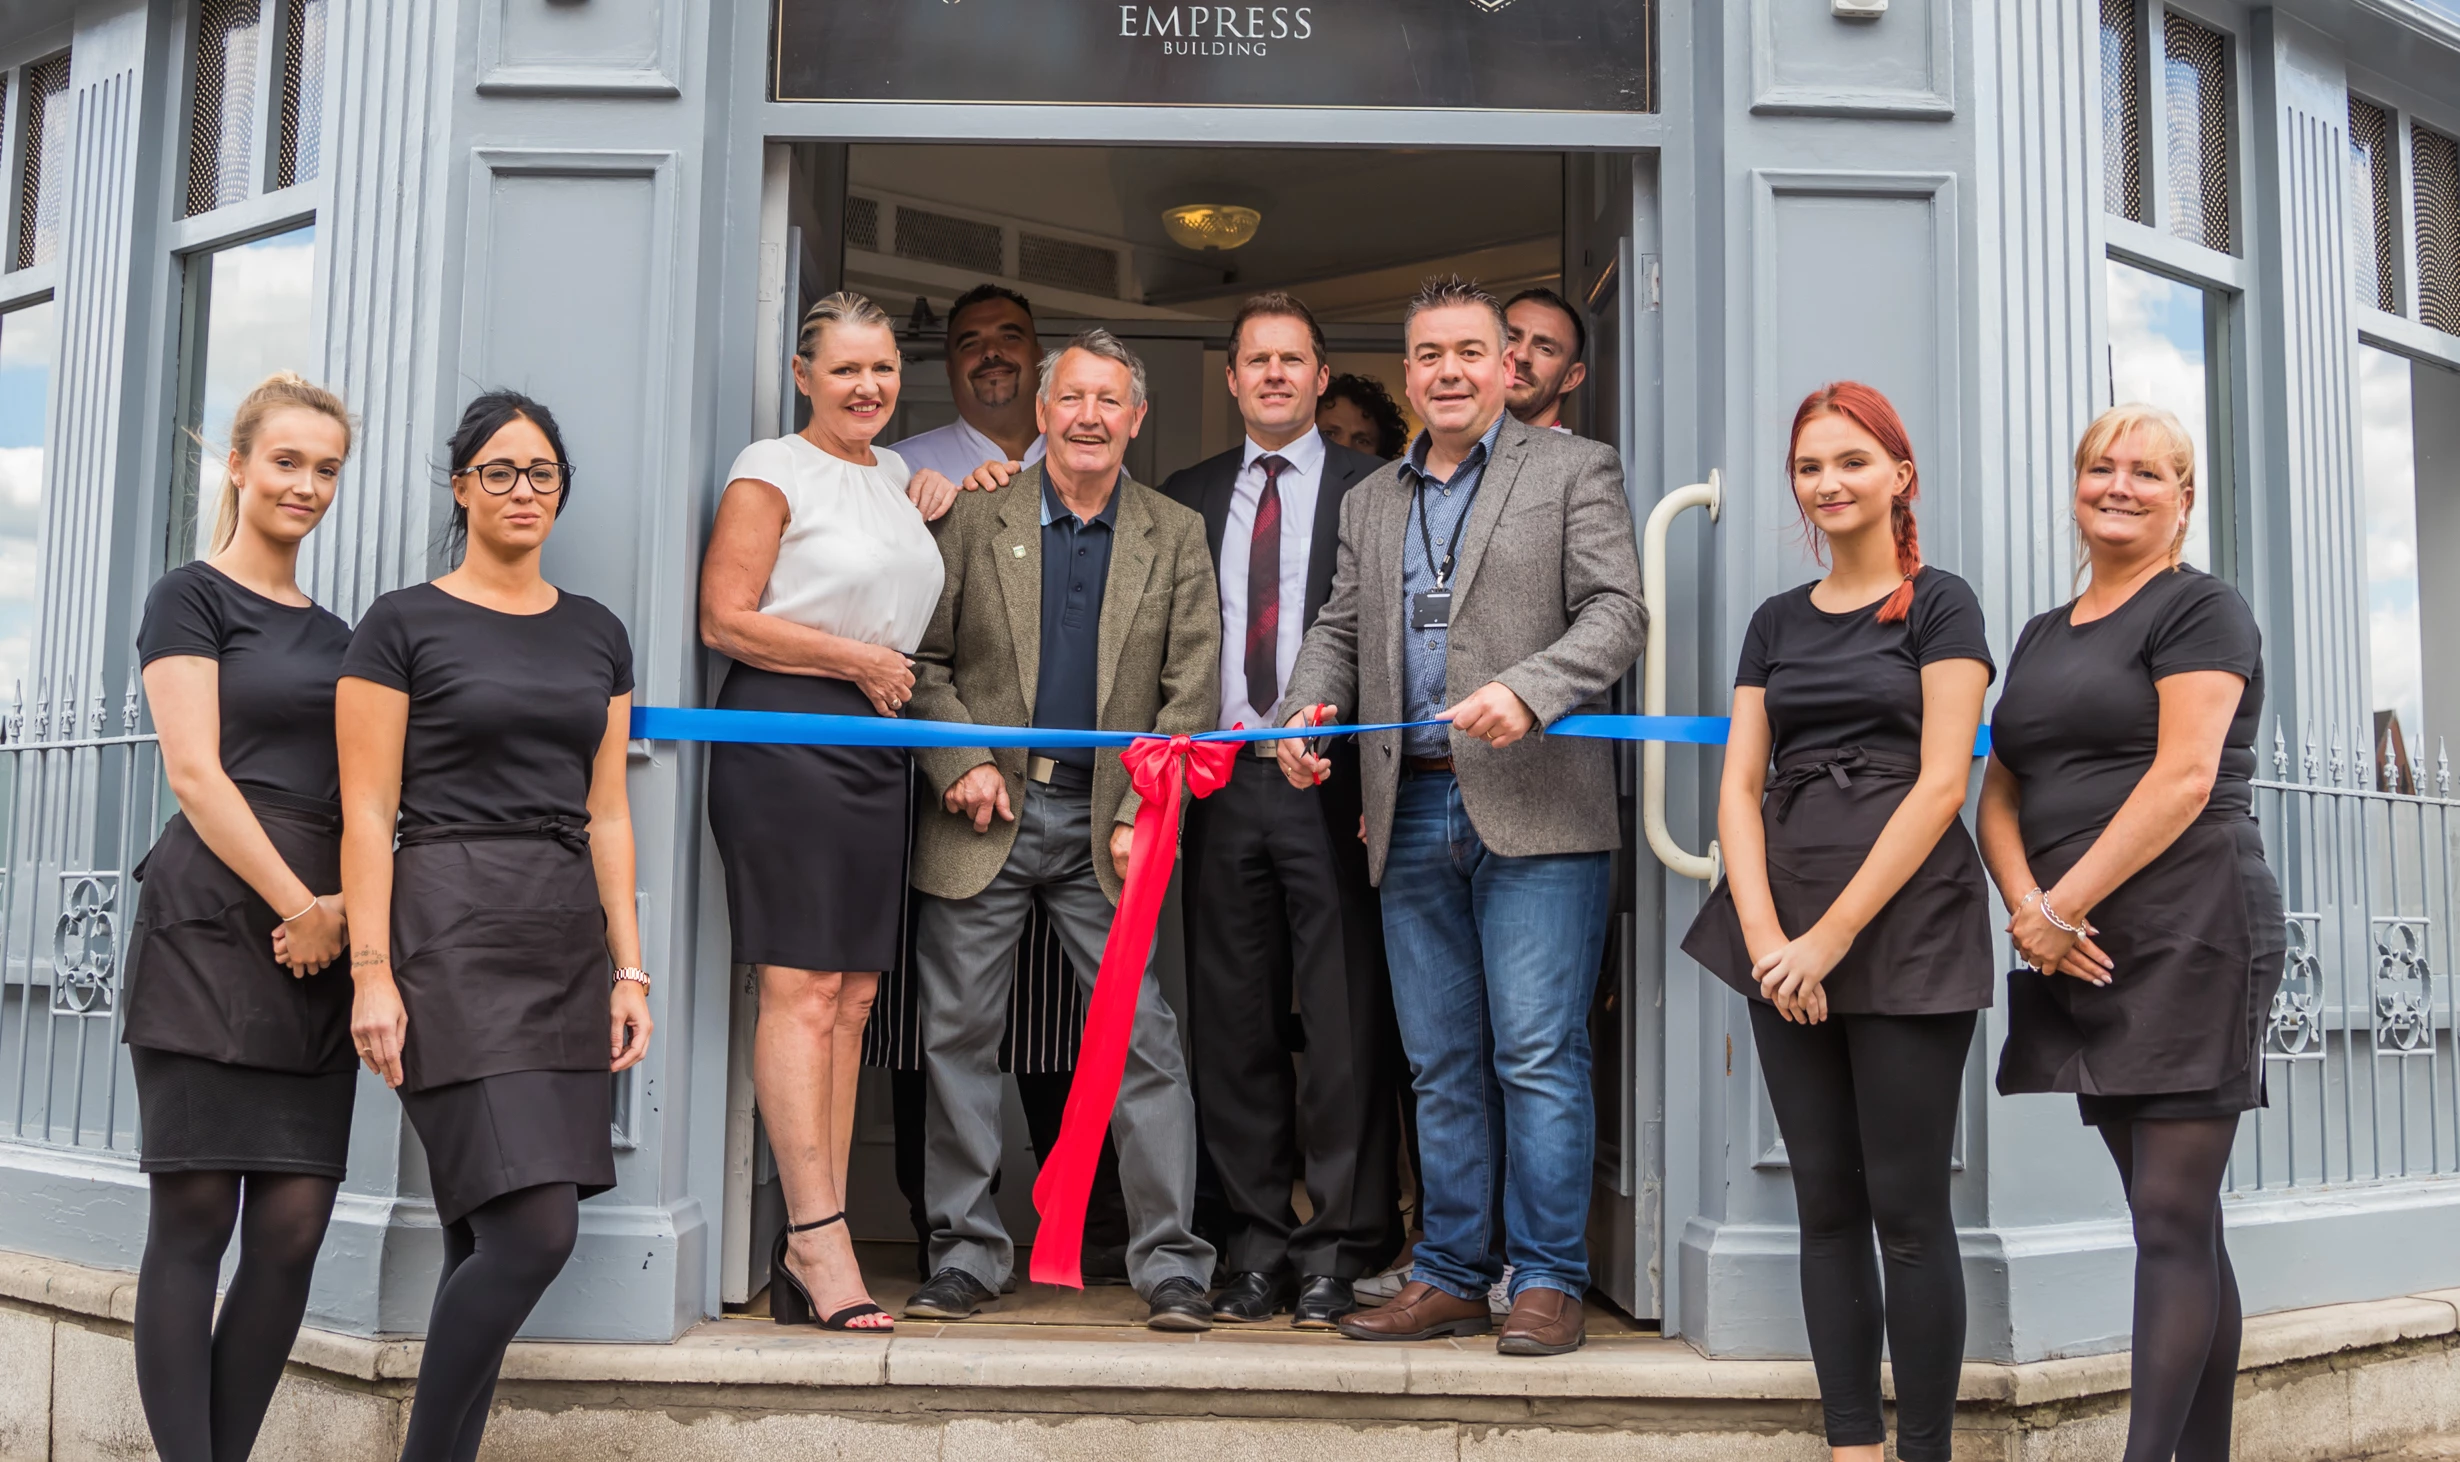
(955, 450)
(855, 559)
(1298, 485)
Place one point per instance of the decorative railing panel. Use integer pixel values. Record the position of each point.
(81, 798)
(2359, 1051)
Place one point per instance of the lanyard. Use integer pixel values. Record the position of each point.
(1426, 540)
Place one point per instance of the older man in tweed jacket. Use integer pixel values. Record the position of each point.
(1489, 578)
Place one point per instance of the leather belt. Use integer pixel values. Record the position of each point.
(1427, 763)
(1052, 773)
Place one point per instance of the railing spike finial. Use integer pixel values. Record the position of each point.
(2280, 752)
(130, 710)
(2338, 762)
(13, 726)
(42, 708)
(2391, 767)
(2307, 755)
(2442, 768)
(95, 717)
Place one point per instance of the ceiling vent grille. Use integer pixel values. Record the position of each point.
(959, 243)
(862, 223)
(1067, 264)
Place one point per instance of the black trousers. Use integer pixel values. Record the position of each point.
(1279, 914)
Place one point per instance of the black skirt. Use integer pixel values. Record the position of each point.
(199, 1115)
(1927, 952)
(2197, 948)
(813, 837)
(201, 975)
(500, 1134)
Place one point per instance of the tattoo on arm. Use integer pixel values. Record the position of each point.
(367, 956)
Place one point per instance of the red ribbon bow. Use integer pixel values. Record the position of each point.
(1159, 769)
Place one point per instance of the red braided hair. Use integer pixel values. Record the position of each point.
(1871, 411)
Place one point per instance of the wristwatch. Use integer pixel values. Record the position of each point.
(636, 976)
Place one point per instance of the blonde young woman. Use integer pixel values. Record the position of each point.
(2118, 822)
(239, 1040)
(819, 581)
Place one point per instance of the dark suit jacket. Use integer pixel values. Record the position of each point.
(1207, 487)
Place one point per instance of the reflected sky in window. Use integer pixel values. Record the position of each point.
(26, 349)
(257, 300)
(2157, 356)
(2387, 457)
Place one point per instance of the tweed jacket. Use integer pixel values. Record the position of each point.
(1158, 664)
(1546, 600)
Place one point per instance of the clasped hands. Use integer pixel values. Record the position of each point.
(313, 940)
(980, 793)
(1493, 713)
(2055, 951)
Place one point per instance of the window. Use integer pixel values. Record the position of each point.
(26, 336)
(2436, 161)
(255, 103)
(2122, 111)
(2374, 245)
(2195, 85)
(43, 181)
(2166, 132)
(244, 316)
(2409, 447)
(2160, 334)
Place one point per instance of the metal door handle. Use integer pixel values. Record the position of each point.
(1709, 495)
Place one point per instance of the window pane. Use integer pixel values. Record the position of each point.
(2434, 160)
(222, 106)
(303, 92)
(2387, 448)
(246, 317)
(45, 181)
(2122, 110)
(2157, 356)
(26, 337)
(2196, 85)
(2371, 241)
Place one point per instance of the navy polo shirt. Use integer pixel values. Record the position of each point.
(1075, 569)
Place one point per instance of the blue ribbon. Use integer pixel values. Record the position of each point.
(790, 728)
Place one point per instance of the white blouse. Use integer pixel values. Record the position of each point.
(856, 558)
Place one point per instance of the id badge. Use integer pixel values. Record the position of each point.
(1430, 609)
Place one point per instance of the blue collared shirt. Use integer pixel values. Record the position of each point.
(1446, 503)
(1075, 569)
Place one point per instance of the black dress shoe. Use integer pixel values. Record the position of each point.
(1322, 1301)
(1250, 1296)
(1179, 1304)
(951, 1294)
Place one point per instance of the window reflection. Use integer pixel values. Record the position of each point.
(2157, 349)
(2409, 452)
(246, 316)
(26, 337)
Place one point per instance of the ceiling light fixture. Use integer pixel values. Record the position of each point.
(1211, 225)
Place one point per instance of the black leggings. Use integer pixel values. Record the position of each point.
(205, 1382)
(2183, 1373)
(498, 1259)
(1867, 1104)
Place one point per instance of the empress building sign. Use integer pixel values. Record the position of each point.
(1512, 55)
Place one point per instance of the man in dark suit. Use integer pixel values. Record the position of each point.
(1278, 906)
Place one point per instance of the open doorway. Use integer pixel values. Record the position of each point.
(1084, 233)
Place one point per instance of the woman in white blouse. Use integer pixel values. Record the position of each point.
(819, 580)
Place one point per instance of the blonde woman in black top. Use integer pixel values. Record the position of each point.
(1855, 918)
(238, 1039)
(2119, 822)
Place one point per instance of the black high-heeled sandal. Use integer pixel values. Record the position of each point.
(790, 1303)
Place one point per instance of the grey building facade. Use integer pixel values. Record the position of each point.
(2004, 215)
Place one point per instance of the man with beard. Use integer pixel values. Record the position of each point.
(1547, 339)
(1077, 599)
(991, 355)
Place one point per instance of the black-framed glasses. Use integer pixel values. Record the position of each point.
(546, 478)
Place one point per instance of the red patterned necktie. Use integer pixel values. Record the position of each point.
(1264, 593)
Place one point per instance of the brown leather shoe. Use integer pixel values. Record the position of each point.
(1543, 1322)
(1419, 1312)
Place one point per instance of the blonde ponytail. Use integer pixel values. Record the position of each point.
(283, 390)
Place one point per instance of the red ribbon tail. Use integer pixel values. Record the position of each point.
(1066, 1180)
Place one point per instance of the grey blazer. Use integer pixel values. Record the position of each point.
(1158, 667)
(1547, 601)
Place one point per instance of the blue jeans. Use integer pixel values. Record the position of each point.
(1494, 961)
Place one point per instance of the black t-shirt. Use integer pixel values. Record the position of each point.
(278, 664)
(2080, 719)
(1848, 680)
(506, 710)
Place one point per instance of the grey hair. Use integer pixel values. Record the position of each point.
(845, 307)
(1451, 291)
(1097, 341)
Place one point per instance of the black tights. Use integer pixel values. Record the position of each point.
(498, 1259)
(2183, 1375)
(1867, 1104)
(206, 1381)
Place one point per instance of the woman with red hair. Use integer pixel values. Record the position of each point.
(1853, 915)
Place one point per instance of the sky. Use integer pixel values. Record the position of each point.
(25, 380)
(2157, 356)
(256, 324)
(2387, 463)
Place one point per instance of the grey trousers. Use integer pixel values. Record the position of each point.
(965, 951)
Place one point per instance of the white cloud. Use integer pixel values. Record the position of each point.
(2387, 464)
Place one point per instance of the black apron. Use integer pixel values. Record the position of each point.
(201, 976)
(1927, 952)
(499, 951)
(2197, 946)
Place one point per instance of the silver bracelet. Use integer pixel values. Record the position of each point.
(303, 913)
(637, 976)
(2056, 922)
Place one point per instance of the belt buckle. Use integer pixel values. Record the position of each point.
(1040, 769)
(1268, 750)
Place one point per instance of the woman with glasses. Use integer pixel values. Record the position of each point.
(819, 581)
(496, 957)
(240, 1045)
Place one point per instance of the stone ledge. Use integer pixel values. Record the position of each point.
(750, 1354)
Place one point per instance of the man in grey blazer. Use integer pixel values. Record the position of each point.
(1489, 579)
(1077, 599)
